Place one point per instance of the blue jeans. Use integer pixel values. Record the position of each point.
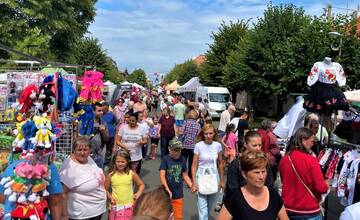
(307, 217)
(206, 202)
(164, 145)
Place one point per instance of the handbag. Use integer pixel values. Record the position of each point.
(208, 182)
(306, 187)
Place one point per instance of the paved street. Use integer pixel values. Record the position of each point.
(150, 175)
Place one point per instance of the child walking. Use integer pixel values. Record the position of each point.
(154, 133)
(172, 172)
(119, 186)
(230, 143)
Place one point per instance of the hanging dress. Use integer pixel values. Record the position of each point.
(325, 96)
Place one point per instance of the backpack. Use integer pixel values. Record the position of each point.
(67, 94)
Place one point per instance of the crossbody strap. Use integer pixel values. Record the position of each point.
(297, 174)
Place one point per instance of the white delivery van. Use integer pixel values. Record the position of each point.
(214, 99)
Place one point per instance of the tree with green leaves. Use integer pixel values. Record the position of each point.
(275, 57)
(183, 72)
(52, 26)
(225, 41)
(89, 52)
(138, 76)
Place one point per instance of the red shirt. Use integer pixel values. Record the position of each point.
(265, 139)
(296, 197)
(167, 126)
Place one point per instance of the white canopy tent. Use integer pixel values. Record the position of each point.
(125, 83)
(190, 86)
(138, 86)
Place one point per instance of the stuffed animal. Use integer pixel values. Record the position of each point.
(27, 97)
(41, 172)
(35, 211)
(87, 120)
(92, 85)
(47, 96)
(44, 134)
(20, 138)
(29, 130)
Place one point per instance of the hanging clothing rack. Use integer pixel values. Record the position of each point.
(340, 142)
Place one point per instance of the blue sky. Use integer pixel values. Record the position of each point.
(157, 34)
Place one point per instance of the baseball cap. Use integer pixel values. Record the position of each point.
(175, 144)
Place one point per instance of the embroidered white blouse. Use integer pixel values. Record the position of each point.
(325, 73)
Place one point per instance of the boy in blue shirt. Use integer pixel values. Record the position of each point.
(172, 172)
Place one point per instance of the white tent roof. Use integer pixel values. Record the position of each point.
(190, 85)
(138, 86)
(108, 83)
(126, 83)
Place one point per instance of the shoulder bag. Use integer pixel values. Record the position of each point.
(306, 187)
(208, 182)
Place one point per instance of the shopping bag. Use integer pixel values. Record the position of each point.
(208, 182)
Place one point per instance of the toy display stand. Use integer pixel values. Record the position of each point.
(64, 143)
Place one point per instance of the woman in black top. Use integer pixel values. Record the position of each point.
(254, 200)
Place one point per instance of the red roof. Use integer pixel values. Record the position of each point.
(199, 59)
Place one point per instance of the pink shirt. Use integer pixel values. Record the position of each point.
(231, 140)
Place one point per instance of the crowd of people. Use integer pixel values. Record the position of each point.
(103, 173)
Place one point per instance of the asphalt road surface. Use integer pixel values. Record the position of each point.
(150, 175)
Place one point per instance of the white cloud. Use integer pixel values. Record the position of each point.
(157, 34)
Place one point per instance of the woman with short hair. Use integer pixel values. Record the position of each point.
(254, 200)
(83, 184)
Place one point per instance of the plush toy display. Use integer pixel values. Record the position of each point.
(26, 182)
(44, 134)
(27, 98)
(92, 84)
(27, 187)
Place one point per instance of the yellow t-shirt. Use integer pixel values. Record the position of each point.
(122, 188)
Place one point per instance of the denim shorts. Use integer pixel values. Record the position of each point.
(179, 122)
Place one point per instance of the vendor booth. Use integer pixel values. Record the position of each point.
(188, 90)
(172, 86)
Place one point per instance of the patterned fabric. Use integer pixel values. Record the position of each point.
(191, 129)
(329, 74)
(121, 213)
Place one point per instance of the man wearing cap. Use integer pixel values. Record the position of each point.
(172, 172)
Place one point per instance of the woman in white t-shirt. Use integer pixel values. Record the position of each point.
(132, 137)
(83, 184)
(207, 159)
